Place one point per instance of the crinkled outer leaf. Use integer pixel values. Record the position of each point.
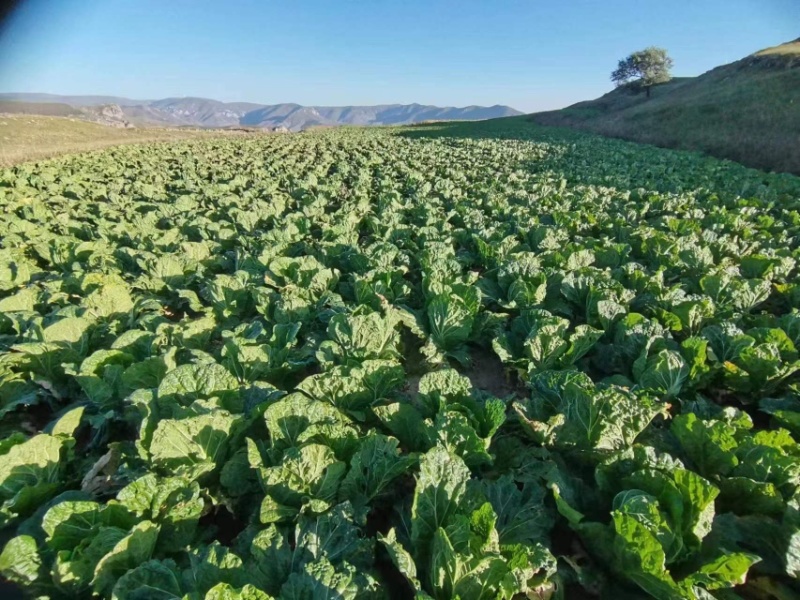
(401, 558)
(522, 515)
(74, 569)
(15, 268)
(776, 543)
(526, 294)
(759, 368)
(645, 509)
(484, 578)
(70, 522)
(353, 389)
(100, 375)
(23, 300)
(145, 374)
(108, 300)
(725, 571)
(308, 473)
(461, 534)
(291, 416)
(48, 362)
(627, 416)
(726, 341)
(710, 445)
(138, 496)
(177, 506)
(575, 415)
(153, 580)
(698, 496)
(16, 392)
(69, 330)
(695, 351)
(491, 416)
(135, 342)
(20, 561)
(639, 556)
(445, 569)
(483, 532)
(608, 312)
(581, 342)
(744, 496)
(546, 346)
(305, 271)
(210, 565)
(321, 581)
(530, 571)
(196, 333)
(440, 487)
(450, 320)
(458, 436)
(454, 575)
(611, 475)
(184, 442)
(685, 496)
(271, 560)
(30, 472)
(133, 550)
(786, 411)
(380, 377)
(761, 461)
(224, 591)
(665, 373)
(536, 341)
(333, 536)
(580, 258)
(446, 385)
(188, 383)
(373, 468)
(406, 423)
(363, 337)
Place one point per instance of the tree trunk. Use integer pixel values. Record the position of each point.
(647, 89)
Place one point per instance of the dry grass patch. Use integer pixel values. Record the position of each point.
(25, 138)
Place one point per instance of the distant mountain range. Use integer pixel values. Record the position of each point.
(202, 112)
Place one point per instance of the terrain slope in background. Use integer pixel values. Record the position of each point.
(51, 109)
(747, 111)
(26, 137)
(203, 112)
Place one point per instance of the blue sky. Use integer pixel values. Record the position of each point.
(531, 54)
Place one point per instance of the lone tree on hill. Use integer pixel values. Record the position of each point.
(643, 69)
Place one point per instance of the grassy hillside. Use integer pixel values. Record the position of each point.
(748, 111)
(24, 138)
(52, 109)
(789, 48)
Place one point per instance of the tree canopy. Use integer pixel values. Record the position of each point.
(643, 69)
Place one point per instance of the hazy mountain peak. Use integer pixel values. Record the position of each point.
(206, 112)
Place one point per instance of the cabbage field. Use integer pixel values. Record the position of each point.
(474, 361)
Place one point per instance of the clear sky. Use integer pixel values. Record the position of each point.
(532, 54)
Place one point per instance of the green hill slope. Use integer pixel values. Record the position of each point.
(32, 137)
(747, 111)
(52, 109)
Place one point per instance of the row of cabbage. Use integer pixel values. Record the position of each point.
(477, 361)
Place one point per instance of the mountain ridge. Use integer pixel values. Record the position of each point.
(209, 113)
